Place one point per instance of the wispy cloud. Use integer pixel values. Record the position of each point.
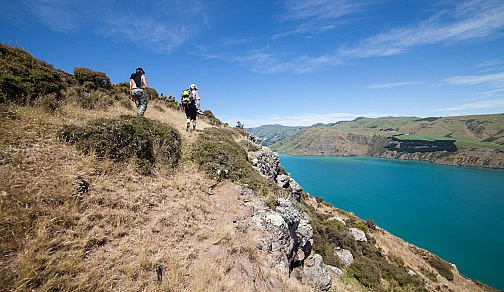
(163, 26)
(265, 63)
(316, 16)
(455, 22)
(391, 85)
(58, 15)
(467, 20)
(494, 79)
(492, 85)
(494, 104)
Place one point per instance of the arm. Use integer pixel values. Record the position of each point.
(197, 98)
(144, 82)
(131, 89)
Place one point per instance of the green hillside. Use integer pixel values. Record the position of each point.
(270, 134)
(478, 139)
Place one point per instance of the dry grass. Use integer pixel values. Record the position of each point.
(72, 222)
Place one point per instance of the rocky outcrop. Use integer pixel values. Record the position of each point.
(317, 273)
(358, 234)
(267, 163)
(345, 256)
(288, 230)
(288, 240)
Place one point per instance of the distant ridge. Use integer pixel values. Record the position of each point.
(478, 140)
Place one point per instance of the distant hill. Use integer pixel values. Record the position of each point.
(475, 140)
(270, 134)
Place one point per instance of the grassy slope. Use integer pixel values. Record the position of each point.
(272, 133)
(128, 226)
(476, 136)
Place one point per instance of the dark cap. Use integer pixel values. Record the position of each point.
(140, 69)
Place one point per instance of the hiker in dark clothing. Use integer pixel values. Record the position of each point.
(190, 108)
(137, 85)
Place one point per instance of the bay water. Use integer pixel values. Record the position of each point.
(454, 212)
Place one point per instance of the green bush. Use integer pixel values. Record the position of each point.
(443, 267)
(370, 264)
(220, 156)
(366, 272)
(126, 137)
(24, 79)
(212, 120)
(122, 87)
(92, 79)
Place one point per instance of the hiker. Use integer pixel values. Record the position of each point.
(195, 94)
(137, 85)
(188, 105)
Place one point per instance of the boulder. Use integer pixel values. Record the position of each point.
(335, 270)
(358, 234)
(266, 162)
(316, 273)
(345, 256)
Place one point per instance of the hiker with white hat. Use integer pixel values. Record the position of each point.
(196, 96)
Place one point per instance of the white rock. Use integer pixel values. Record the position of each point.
(358, 234)
(345, 256)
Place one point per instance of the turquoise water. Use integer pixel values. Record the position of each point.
(455, 212)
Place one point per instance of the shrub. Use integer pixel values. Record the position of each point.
(220, 156)
(122, 87)
(128, 136)
(24, 79)
(366, 272)
(212, 120)
(370, 264)
(49, 102)
(92, 79)
(443, 267)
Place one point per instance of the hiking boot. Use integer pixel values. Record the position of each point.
(187, 128)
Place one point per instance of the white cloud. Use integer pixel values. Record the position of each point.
(467, 20)
(496, 79)
(491, 84)
(315, 16)
(262, 62)
(494, 104)
(457, 22)
(395, 84)
(160, 26)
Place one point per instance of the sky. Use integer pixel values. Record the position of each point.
(288, 62)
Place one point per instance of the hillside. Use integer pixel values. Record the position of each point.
(476, 140)
(93, 198)
(270, 134)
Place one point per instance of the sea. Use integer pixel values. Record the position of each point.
(454, 212)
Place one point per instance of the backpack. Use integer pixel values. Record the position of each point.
(137, 77)
(187, 97)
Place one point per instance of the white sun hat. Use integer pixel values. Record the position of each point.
(193, 86)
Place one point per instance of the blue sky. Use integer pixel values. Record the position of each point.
(282, 61)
